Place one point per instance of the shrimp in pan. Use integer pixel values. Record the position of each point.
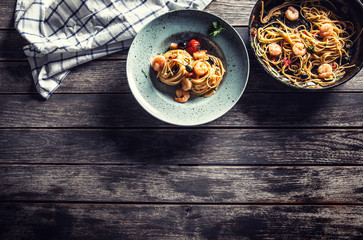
(292, 13)
(299, 49)
(325, 70)
(326, 30)
(274, 49)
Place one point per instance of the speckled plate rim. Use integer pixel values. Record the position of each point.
(195, 111)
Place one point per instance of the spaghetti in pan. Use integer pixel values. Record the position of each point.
(304, 43)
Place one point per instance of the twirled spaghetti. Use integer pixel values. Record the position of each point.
(313, 53)
(192, 69)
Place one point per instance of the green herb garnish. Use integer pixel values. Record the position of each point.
(144, 72)
(311, 48)
(215, 28)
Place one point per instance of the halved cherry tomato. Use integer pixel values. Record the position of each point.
(193, 46)
(286, 62)
(253, 31)
(334, 65)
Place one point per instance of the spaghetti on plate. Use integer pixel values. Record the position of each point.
(190, 68)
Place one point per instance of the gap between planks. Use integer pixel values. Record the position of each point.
(171, 127)
(13, 28)
(190, 166)
(166, 204)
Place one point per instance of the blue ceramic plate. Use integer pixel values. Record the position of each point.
(183, 25)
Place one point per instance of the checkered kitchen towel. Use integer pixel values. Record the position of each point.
(65, 33)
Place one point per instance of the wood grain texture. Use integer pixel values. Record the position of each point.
(90, 163)
(110, 77)
(204, 146)
(112, 221)
(7, 10)
(12, 43)
(94, 183)
(122, 110)
(235, 12)
(108, 74)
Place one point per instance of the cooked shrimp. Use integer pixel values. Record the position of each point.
(325, 70)
(299, 49)
(173, 46)
(292, 13)
(181, 96)
(274, 49)
(326, 30)
(158, 63)
(201, 54)
(200, 68)
(186, 84)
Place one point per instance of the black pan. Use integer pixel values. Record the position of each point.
(351, 10)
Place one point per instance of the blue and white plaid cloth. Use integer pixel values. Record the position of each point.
(65, 33)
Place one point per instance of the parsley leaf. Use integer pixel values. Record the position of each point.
(144, 73)
(311, 48)
(215, 28)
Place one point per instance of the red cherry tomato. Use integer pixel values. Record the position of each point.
(193, 46)
(286, 62)
(253, 31)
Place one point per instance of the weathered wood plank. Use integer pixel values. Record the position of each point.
(12, 43)
(122, 110)
(74, 221)
(110, 76)
(95, 183)
(208, 146)
(7, 9)
(233, 11)
(93, 77)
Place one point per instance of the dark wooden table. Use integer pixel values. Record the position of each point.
(90, 163)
